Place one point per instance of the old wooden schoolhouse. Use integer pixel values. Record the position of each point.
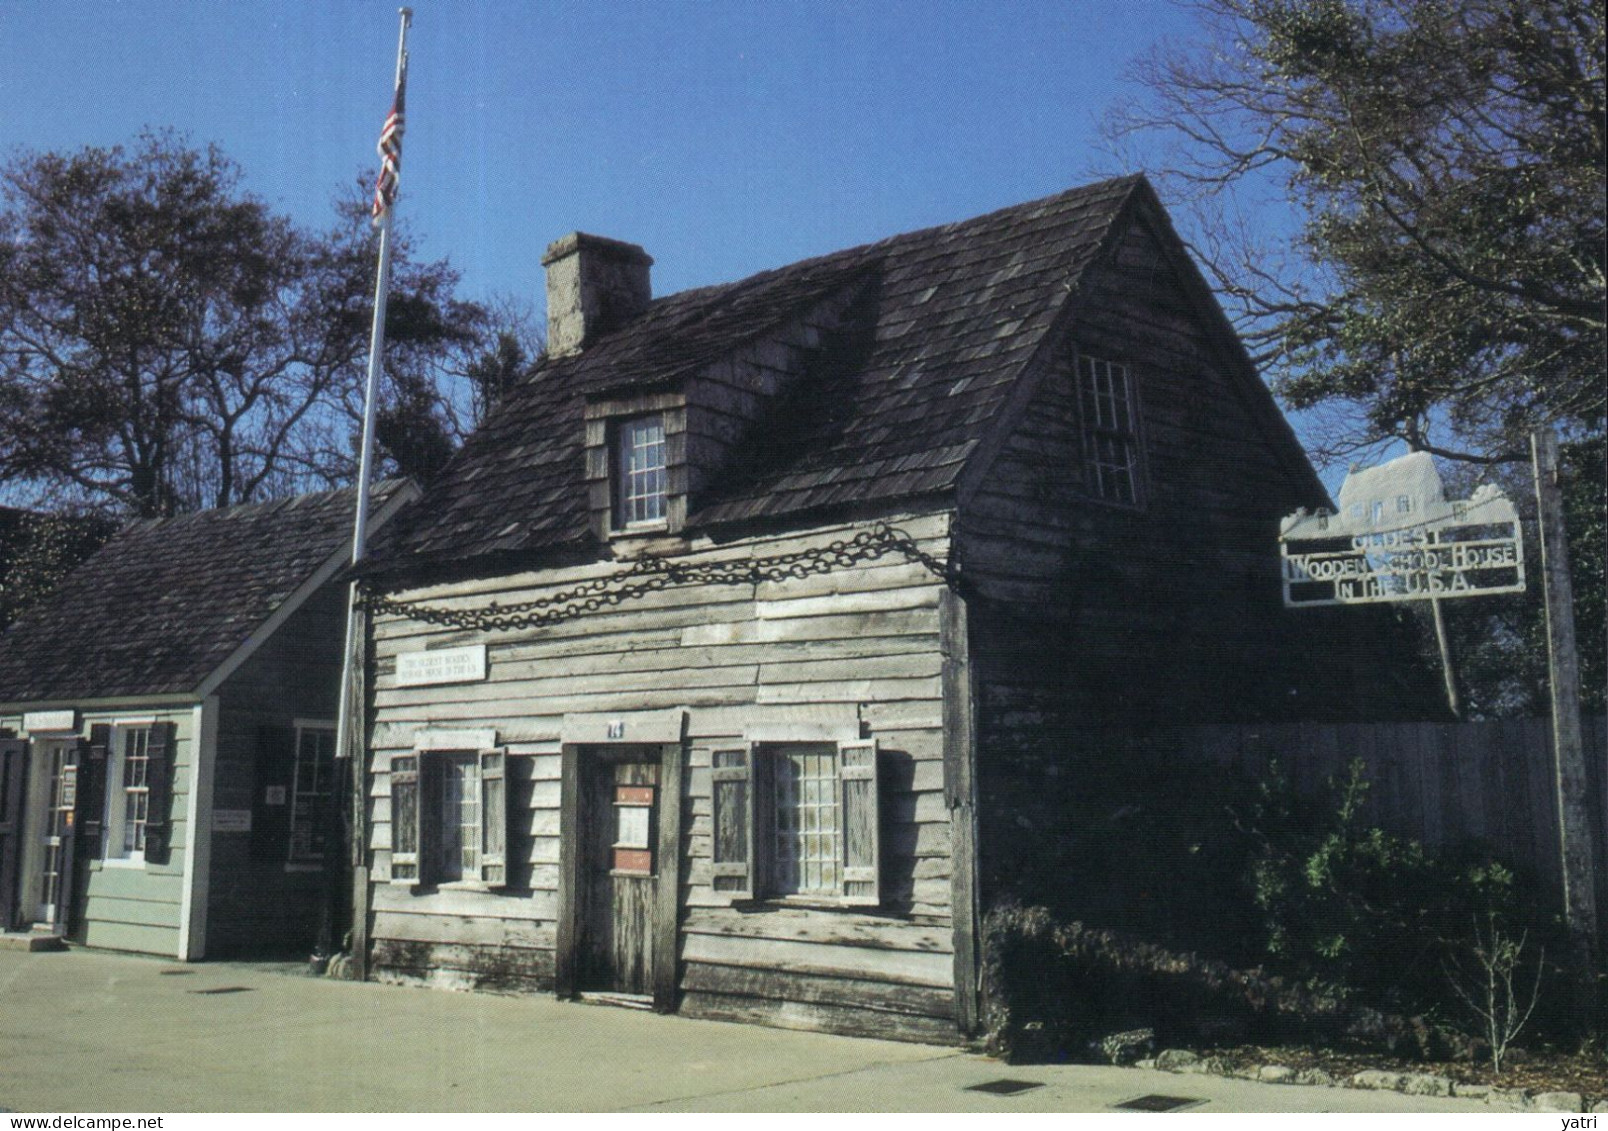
(167, 723)
(719, 668)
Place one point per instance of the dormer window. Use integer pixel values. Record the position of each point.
(636, 467)
(641, 477)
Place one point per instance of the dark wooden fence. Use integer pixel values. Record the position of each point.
(1437, 783)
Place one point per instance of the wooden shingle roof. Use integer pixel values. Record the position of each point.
(158, 608)
(949, 316)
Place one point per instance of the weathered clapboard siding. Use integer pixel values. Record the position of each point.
(256, 904)
(1088, 612)
(859, 642)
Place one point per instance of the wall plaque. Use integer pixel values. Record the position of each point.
(441, 665)
(231, 820)
(33, 721)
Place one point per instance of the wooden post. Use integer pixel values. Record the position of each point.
(667, 912)
(352, 736)
(1563, 664)
(960, 795)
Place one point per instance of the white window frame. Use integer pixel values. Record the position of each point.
(294, 863)
(115, 825)
(653, 478)
(1113, 449)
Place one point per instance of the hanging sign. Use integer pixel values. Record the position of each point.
(1398, 538)
(441, 665)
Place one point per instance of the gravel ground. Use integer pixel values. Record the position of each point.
(1531, 1070)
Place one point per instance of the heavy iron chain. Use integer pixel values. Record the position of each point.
(651, 574)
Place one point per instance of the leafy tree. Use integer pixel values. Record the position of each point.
(167, 342)
(38, 550)
(1445, 162)
(1499, 644)
(1440, 281)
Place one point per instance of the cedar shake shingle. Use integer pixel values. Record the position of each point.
(943, 322)
(161, 605)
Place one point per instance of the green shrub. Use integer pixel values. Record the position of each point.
(1054, 988)
(1345, 903)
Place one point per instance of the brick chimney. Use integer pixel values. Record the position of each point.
(594, 284)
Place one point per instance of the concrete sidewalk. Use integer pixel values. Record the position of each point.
(92, 1032)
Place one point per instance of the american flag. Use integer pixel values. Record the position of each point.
(390, 157)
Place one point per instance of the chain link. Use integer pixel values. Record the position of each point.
(652, 574)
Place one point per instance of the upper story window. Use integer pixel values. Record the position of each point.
(1110, 430)
(640, 472)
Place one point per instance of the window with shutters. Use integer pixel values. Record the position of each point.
(796, 820)
(1110, 431)
(128, 793)
(312, 796)
(449, 818)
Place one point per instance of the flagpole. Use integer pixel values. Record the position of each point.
(377, 331)
(349, 737)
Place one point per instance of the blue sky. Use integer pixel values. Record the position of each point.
(725, 137)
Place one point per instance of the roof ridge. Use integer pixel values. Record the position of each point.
(305, 498)
(984, 219)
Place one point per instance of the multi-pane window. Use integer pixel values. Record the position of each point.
(796, 819)
(312, 796)
(1110, 432)
(808, 854)
(641, 478)
(135, 792)
(449, 817)
(460, 818)
(131, 803)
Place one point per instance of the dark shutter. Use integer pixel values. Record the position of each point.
(159, 817)
(272, 797)
(13, 756)
(494, 817)
(732, 853)
(405, 819)
(857, 773)
(94, 758)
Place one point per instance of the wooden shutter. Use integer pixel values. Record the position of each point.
(862, 864)
(405, 819)
(95, 756)
(13, 754)
(159, 819)
(732, 808)
(494, 817)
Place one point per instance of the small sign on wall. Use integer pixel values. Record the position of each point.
(231, 820)
(441, 665)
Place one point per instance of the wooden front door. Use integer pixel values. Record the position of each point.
(619, 810)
